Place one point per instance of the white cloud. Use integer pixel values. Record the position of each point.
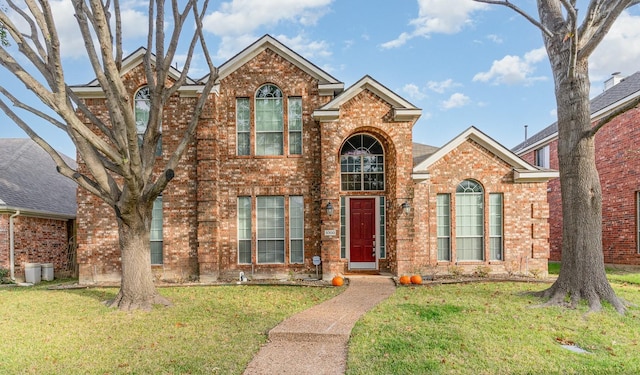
(438, 16)
(514, 70)
(442, 86)
(240, 17)
(413, 91)
(619, 51)
(456, 100)
(237, 21)
(495, 38)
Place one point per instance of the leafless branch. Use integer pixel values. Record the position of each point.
(517, 9)
(608, 118)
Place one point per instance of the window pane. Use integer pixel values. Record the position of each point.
(295, 126)
(383, 237)
(362, 164)
(269, 121)
(244, 229)
(343, 228)
(443, 226)
(495, 226)
(469, 221)
(243, 126)
(270, 229)
(296, 229)
(156, 232)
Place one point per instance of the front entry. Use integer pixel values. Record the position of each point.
(362, 233)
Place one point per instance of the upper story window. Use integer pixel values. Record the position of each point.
(275, 133)
(542, 157)
(142, 108)
(269, 121)
(362, 164)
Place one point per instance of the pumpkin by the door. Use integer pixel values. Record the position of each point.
(405, 280)
(337, 281)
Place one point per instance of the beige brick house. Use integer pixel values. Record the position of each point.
(289, 166)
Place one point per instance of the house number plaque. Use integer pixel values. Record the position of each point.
(330, 232)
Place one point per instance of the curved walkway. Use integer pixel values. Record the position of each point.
(315, 341)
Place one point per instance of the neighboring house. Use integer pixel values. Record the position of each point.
(289, 165)
(37, 210)
(618, 162)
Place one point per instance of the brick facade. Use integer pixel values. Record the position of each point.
(200, 206)
(37, 240)
(618, 163)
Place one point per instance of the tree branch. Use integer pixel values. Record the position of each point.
(608, 118)
(526, 15)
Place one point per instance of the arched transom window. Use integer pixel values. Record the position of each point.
(469, 221)
(362, 164)
(142, 109)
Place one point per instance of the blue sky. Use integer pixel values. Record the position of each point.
(462, 62)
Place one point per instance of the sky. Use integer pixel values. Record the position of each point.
(463, 63)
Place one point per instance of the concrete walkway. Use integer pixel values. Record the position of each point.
(315, 341)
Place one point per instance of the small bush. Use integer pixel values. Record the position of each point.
(455, 271)
(482, 271)
(3, 273)
(536, 273)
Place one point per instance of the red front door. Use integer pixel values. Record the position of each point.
(362, 229)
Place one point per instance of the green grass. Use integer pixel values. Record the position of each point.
(209, 330)
(491, 328)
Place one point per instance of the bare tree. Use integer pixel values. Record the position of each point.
(117, 168)
(569, 45)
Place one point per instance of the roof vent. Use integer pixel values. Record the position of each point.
(614, 80)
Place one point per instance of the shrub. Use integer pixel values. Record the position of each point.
(482, 271)
(455, 271)
(3, 273)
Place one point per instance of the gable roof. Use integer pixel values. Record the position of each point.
(523, 171)
(402, 109)
(627, 89)
(327, 84)
(136, 58)
(29, 181)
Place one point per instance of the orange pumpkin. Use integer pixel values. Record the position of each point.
(405, 280)
(337, 281)
(416, 279)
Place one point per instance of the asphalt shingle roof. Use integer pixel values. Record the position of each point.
(623, 89)
(29, 180)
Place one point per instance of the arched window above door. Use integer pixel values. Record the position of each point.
(362, 164)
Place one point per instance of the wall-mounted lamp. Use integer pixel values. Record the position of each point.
(329, 208)
(406, 208)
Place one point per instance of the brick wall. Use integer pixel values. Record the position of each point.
(618, 163)
(525, 227)
(36, 240)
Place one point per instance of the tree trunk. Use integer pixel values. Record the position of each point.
(582, 273)
(137, 290)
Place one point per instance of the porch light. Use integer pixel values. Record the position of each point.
(406, 208)
(329, 208)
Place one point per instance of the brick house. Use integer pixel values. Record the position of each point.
(618, 163)
(37, 210)
(289, 166)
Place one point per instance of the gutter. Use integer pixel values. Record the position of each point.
(12, 245)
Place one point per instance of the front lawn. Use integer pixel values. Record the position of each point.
(209, 330)
(492, 328)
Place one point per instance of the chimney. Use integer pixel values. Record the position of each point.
(614, 80)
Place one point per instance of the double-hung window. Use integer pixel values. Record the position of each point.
(156, 232)
(295, 126)
(495, 226)
(542, 157)
(270, 229)
(243, 126)
(443, 209)
(296, 229)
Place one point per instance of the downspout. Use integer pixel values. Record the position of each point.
(12, 245)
